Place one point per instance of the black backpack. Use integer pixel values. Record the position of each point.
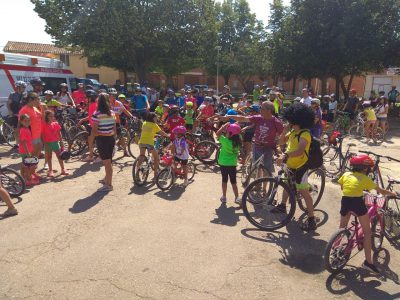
(314, 156)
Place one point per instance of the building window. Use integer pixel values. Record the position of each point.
(93, 76)
(65, 59)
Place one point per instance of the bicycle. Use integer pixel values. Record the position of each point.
(391, 213)
(253, 170)
(7, 131)
(358, 131)
(335, 163)
(342, 122)
(12, 181)
(261, 197)
(167, 176)
(340, 246)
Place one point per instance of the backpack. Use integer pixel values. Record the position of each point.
(314, 155)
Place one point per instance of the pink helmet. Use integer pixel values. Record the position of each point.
(233, 129)
(179, 130)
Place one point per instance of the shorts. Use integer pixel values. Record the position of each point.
(392, 100)
(105, 146)
(353, 204)
(189, 126)
(228, 171)
(52, 147)
(300, 177)
(37, 141)
(183, 162)
(147, 146)
(381, 119)
(268, 163)
(13, 121)
(248, 136)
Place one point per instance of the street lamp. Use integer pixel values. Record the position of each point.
(218, 48)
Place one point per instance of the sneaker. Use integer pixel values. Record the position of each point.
(105, 188)
(311, 225)
(279, 209)
(238, 200)
(370, 267)
(10, 212)
(46, 166)
(223, 199)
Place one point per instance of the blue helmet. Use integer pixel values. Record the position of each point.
(231, 112)
(255, 107)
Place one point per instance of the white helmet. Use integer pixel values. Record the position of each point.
(48, 92)
(112, 91)
(20, 84)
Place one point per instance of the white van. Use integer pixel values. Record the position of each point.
(19, 67)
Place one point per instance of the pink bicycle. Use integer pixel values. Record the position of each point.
(340, 246)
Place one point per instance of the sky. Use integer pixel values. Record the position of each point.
(21, 23)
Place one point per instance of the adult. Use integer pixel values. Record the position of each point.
(351, 105)
(382, 110)
(14, 105)
(206, 110)
(332, 108)
(104, 130)
(152, 96)
(79, 96)
(170, 99)
(392, 95)
(274, 97)
(140, 103)
(181, 98)
(268, 129)
(38, 86)
(199, 98)
(30, 109)
(256, 93)
(210, 93)
(226, 92)
(243, 100)
(63, 95)
(306, 97)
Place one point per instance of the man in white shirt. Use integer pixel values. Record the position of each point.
(306, 98)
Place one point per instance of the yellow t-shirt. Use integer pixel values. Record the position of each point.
(149, 130)
(354, 183)
(293, 144)
(369, 112)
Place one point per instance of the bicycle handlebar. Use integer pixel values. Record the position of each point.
(380, 156)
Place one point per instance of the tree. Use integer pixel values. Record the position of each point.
(130, 35)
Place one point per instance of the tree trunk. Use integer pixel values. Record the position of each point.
(275, 81)
(170, 81)
(141, 73)
(226, 79)
(309, 83)
(324, 80)
(346, 91)
(125, 76)
(294, 86)
(338, 79)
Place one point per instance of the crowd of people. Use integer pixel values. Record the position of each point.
(258, 125)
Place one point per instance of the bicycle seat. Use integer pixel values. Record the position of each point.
(393, 180)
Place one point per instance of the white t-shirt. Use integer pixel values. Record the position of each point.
(380, 111)
(181, 148)
(332, 105)
(306, 101)
(63, 99)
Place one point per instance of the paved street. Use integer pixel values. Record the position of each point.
(69, 242)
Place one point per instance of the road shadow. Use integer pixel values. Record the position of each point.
(15, 200)
(84, 168)
(212, 169)
(143, 189)
(87, 203)
(321, 217)
(172, 194)
(298, 249)
(228, 216)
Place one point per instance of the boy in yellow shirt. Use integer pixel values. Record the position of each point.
(353, 185)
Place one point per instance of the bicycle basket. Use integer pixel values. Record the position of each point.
(167, 159)
(369, 200)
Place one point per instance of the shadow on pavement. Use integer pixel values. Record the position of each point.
(299, 250)
(87, 203)
(228, 216)
(321, 217)
(206, 168)
(144, 189)
(15, 200)
(173, 194)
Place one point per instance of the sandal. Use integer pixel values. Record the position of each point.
(64, 172)
(88, 159)
(50, 174)
(10, 212)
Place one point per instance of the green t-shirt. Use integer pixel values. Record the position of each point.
(228, 155)
(53, 103)
(189, 116)
(159, 111)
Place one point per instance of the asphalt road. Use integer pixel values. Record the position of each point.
(70, 242)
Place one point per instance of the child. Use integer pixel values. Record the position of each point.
(353, 184)
(26, 149)
(228, 157)
(52, 141)
(180, 150)
(189, 113)
(159, 109)
(51, 103)
(149, 131)
(371, 120)
(298, 140)
(316, 130)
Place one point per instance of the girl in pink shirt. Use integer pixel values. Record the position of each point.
(52, 139)
(26, 149)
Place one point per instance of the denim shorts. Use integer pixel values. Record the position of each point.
(268, 159)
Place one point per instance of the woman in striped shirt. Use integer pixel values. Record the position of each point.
(104, 129)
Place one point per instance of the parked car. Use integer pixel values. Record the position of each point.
(87, 81)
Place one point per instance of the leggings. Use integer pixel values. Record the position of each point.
(228, 171)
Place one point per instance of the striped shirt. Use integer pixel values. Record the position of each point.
(105, 123)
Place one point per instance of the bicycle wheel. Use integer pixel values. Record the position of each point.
(338, 250)
(391, 215)
(142, 173)
(207, 152)
(379, 135)
(331, 161)
(165, 179)
(133, 144)
(12, 181)
(191, 170)
(73, 131)
(8, 134)
(257, 172)
(356, 132)
(260, 207)
(377, 232)
(246, 170)
(316, 181)
(79, 143)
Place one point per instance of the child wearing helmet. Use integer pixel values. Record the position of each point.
(353, 184)
(371, 120)
(50, 102)
(189, 114)
(229, 137)
(159, 109)
(180, 150)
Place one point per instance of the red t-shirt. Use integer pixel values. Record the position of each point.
(36, 120)
(51, 132)
(91, 111)
(207, 112)
(174, 122)
(266, 131)
(79, 96)
(25, 134)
